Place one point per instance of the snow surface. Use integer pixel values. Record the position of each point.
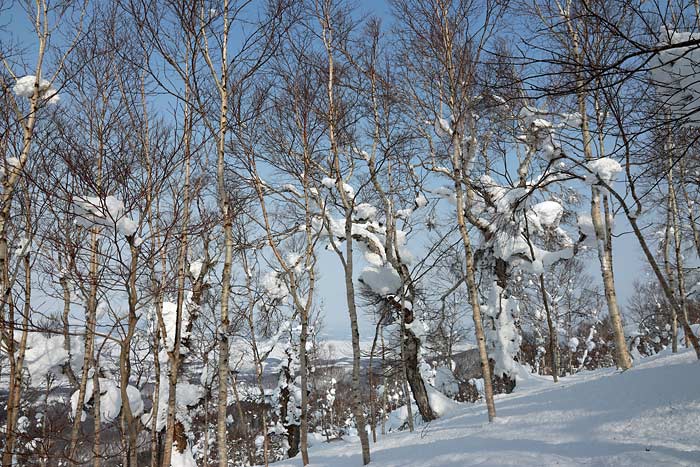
(184, 459)
(441, 405)
(646, 416)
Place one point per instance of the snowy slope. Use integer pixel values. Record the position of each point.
(649, 415)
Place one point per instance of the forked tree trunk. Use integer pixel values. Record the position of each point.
(173, 425)
(67, 369)
(385, 396)
(227, 218)
(96, 415)
(302, 438)
(89, 348)
(128, 419)
(16, 365)
(407, 396)
(372, 384)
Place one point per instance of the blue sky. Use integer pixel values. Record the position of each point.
(629, 264)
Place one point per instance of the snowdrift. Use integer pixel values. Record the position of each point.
(646, 416)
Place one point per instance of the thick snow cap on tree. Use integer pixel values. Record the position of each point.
(290, 380)
(186, 395)
(404, 213)
(674, 72)
(507, 225)
(604, 169)
(169, 313)
(368, 235)
(43, 356)
(330, 184)
(110, 399)
(274, 285)
(502, 335)
(196, 268)
(537, 131)
(383, 280)
(22, 247)
(109, 212)
(170, 321)
(585, 226)
(364, 212)
(442, 127)
(24, 87)
(548, 213)
(573, 344)
(505, 199)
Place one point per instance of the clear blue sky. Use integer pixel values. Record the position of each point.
(629, 264)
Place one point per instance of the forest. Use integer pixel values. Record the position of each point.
(233, 231)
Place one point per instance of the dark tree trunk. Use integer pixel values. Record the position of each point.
(293, 436)
(415, 380)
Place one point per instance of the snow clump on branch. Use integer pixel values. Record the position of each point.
(604, 169)
(24, 87)
(108, 212)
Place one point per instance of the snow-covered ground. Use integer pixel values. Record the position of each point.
(649, 416)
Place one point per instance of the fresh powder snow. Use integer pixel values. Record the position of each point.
(645, 416)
